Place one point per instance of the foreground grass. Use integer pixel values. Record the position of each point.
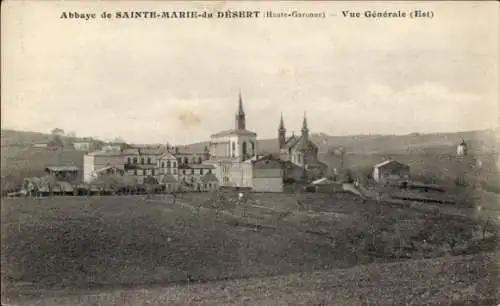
(75, 244)
(463, 280)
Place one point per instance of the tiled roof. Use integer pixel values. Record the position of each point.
(105, 153)
(168, 178)
(387, 162)
(300, 143)
(234, 132)
(151, 151)
(130, 152)
(209, 177)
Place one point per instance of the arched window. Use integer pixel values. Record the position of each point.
(149, 160)
(168, 164)
(135, 160)
(234, 147)
(244, 148)
(142, 160)
(186, 160)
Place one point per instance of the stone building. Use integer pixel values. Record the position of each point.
(231, 150)
(301, 152)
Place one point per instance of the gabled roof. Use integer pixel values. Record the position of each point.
(234, 132)
(387, 162)
(209, 177)
(300, 143)
(167, 155)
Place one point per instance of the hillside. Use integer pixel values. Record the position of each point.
(479, 141)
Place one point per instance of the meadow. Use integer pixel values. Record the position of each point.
(74, 244)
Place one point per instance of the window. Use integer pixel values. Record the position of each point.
(153, 172)
(209, 171)
(174, 171)
(128, 160)
(205, 186)
(168, 170)
(253, 148)
(163, 164)
(168, 164)
(201, 171)
(149, 160)
(192, 171)
(142, 160)
(179, 160)
(186, 160)
(199, 160)
(174, 165)
(135, 172)
(184, 171)
(135, 160)
(244, 148)
(233, 148)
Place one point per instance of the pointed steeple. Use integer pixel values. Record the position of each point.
(304, 124)
(281, 133)
(240, 104)
(240, 115)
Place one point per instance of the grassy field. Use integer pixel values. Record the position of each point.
(66, 245)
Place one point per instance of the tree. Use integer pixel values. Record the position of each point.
(57, 131)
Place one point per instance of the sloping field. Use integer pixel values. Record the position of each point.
(73, 244)
(463, 280)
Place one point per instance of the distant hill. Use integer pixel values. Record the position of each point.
(11, 138)
(479, 141)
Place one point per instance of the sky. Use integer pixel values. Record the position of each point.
(177, 81)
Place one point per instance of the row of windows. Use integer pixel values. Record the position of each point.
(173, 164)
(153, 172)
(143, 161)
(184, 171)
(148, 161)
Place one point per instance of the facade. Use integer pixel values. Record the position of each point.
(231, 150)
(267, 175)
(83, 145)
(196, 177)
(174, 168)
(301, 152)
(390, 170)
(95, 161)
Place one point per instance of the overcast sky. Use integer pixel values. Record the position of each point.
(178, 80)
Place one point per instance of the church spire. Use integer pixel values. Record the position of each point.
(240, 115)
(281, 133)
(305, 130)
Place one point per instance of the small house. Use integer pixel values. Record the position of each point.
(389, 171)
(267, 175)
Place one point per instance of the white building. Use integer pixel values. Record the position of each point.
(231, 151)
(94, 161)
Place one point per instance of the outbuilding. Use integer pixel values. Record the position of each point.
(389, 171)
